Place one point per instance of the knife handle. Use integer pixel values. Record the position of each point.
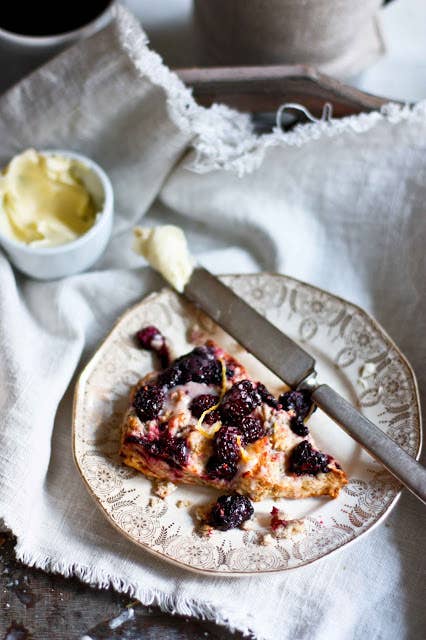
(397, 461)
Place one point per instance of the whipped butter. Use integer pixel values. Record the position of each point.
(166, 250)
(43, 199)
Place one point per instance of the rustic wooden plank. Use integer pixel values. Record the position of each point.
(264, 89)
(35, 605)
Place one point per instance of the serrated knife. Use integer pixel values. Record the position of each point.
(296, 368)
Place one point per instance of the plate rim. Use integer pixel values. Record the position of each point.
(239, 574)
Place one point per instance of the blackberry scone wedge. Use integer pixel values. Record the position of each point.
(203, 420)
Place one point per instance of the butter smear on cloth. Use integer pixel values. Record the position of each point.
(166, 250)
(43, 201)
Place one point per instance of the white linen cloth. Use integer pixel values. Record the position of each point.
(341, 205)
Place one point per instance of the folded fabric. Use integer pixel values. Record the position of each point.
(339, 204)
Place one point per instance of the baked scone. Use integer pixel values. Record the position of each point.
(203, 420)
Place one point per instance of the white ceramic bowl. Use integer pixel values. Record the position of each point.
(48, 263)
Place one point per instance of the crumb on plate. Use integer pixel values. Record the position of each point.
(163, 489)
(183, 504)
(154, 501)
(267, 540)
(282, 527)
(202, 511)
(247, 525)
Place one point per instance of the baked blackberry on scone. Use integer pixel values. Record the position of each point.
(203, 420)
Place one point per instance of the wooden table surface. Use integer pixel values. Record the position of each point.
(39, 606)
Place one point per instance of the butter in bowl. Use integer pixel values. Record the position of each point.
(56, 212)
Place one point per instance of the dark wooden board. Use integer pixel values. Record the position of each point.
(264, 89)
(35, 605)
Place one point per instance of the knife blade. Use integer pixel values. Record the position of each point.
(296, 368)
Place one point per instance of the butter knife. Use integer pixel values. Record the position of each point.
(297, 369)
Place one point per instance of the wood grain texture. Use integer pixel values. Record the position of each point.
(264, 89)
(35, 605)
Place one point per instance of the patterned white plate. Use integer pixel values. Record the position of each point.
(354, 355)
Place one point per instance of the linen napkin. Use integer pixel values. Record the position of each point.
(339, 204)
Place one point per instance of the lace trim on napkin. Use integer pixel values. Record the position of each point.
(224, 138)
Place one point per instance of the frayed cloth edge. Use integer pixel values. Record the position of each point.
(224, 138)
(169, 603)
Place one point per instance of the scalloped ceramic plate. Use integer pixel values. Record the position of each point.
(354, 355)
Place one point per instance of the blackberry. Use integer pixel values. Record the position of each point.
(230, 371)
(151, 339)
(170, 377)
(172, 450)
(152, 447)
(148, 402)
(224, 463)
(218, 468)
(175, 451)
(200, 365)
(226, 445)
(298, 427)
(298, 401)
(230, 512)
(202, 403)
(212, 417)
(266, 396)
(239, 401)
(252, 429)
(305, 459)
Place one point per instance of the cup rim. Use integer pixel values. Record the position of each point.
(101, 217)
(56, 38)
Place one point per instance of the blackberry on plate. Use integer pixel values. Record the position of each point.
(230, 371)
(226, 444)
(223, 463)
(151, 339)
(239, 401)
(298, 427)
(220, 469)
(212, 417)
(175, 451)
(200, 365)
(230, 512)
(266, 396)
(170, 377)
(298, 401)
(252, 429)
(148, 402)
(152, 447)
(305, 459)
(202, 403)
(172, 450)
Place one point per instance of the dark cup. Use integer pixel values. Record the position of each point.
(21, 53)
